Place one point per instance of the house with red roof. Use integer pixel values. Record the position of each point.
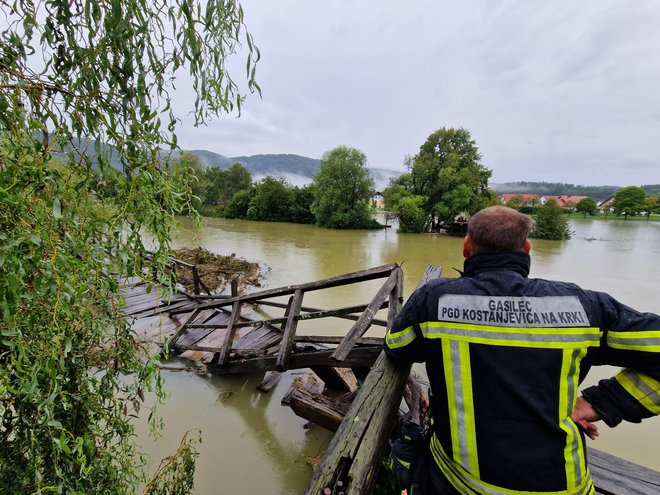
(567, 201)
(527, 199)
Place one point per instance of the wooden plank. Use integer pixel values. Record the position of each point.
(615, 476)
(339, 280)
(284, 355)
(335, 379)
(299, 317)
(342, 313)
(222, 356)
(182, 329)
(331, 339)
(318, 408)
(358, 357)
(364, 321)
(271, 378)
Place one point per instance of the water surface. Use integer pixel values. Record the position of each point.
(252, 444)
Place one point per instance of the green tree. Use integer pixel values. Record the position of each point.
(651, 205)
(342, 189)
(448, 173)
(629, 201)
(239, 203)
(516, 202)
(72, 374)
(223, 184)
(550, 223)
(301, 205)
(587, 206)
(411, 214)
(271, 201)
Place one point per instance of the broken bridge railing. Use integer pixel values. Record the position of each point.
(388, 296)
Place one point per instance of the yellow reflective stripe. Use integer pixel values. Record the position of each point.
(553, 338)
(401, 338)
(447, 363)
(576, 465)
(468, 409)
(469, 485)
(648, 341)
(642, 387)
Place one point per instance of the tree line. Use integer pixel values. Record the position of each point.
(338, 197)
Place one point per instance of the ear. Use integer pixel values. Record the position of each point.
(467, 247)
(528, 246)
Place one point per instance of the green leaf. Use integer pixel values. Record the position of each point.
(57, 208)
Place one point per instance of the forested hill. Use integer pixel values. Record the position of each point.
(562, 189)
(294, 168)
(262, 164)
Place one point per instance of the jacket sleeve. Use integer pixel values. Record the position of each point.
(631, 340)
(404, 340)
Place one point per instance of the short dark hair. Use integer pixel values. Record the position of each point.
(498, 229)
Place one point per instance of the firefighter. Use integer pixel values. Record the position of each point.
(505, 355)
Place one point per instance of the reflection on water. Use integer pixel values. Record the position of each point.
(252, 444)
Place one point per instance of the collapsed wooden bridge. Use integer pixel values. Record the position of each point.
(228, 334)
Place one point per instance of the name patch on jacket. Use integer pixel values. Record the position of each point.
(549, 311)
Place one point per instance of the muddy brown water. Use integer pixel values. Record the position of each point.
(253, 445)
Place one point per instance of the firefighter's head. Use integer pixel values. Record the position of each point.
(497, 229)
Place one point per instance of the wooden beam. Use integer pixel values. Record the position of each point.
(336, 313)
(318, 408)
(284, 355)
(284, 319)
(339, 280)
(364, 321)
(271, 378)
(615, 476)
(181, 330)
(222, 357)
(358, 357)
(354, 454)
(351, 462)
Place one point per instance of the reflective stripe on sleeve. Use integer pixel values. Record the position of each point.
(400, 339)
(552, 338)
(635, 341)
(642, 387)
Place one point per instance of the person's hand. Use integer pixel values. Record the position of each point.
(584, 415)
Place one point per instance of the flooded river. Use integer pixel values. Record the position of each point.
(252, 444)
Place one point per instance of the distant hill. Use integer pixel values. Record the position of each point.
(295, 169)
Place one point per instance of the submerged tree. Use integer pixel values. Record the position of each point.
(550, 223)
(342, 189)
(587, 206)
(89, 82)
(446, 172)
(629, 201)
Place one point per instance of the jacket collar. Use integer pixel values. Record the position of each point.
(488, 262)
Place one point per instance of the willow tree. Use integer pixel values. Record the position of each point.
(86, 122)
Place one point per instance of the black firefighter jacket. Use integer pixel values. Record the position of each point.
(505, 355)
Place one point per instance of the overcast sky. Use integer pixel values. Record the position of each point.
(557, 91)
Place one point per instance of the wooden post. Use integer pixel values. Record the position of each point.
(195, 275)
(222, 357)
(289, 331)
(234, 287)
(351, 462)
